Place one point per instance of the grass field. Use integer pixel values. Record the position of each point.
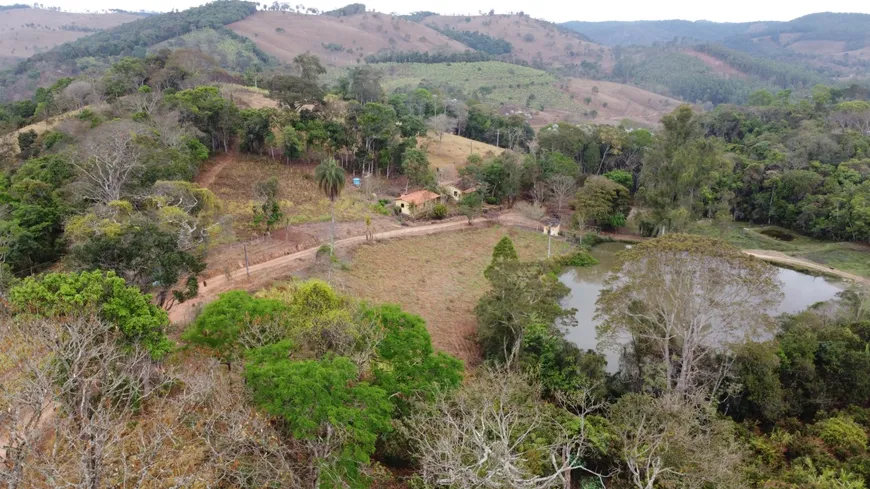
(300, 199)
(449, 154)
(492, 82)
(849, 257)
(439, 277)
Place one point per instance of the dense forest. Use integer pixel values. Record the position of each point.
(104, 234)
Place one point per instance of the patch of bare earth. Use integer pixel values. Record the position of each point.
(339, 41)
(439, 276)
(532, 40)
(25, 32)
(717, 65)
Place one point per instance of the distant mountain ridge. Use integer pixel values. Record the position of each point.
(825, 26)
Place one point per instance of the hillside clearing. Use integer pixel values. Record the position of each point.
(28, 31)
(449, 154)
(301, 201)
(339, 41)
(533, 40)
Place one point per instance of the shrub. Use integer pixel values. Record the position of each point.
(578, 259)
(590, 240)
(533, 211)
(842, 435)
(439, 211)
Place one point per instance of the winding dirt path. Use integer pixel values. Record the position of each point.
(216, 165)
(263, 273)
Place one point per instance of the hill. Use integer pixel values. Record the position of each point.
(339, 41)
(833, 44)
(648, 32)
(97, 51)
(28, 31)
(542, 97)
(537, 42)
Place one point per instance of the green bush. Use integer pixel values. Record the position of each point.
(439, 211)
(842, 435)
(591, 240)
(578, 259)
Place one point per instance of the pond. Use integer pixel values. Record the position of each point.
(800, 291)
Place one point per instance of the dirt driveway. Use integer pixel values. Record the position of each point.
(261, 274)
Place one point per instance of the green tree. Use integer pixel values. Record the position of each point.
(330, 179)
(678, 170)
(222, 321)
(504, 251)
(603, 201)
(308, 65)
(269, 211)
(415, 163)
(522, 294)
(292, 145)
(408, 368)
(101, 293)
(256, 126)
(688, 296)
(324, 404)
(294, 91)
(471, 205)
(210, 112)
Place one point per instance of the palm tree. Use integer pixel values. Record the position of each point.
(330, 179)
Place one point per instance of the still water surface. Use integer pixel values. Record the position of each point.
(799, 291)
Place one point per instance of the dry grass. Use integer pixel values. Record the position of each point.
(451, 153)
(248, 97)
(531, 38)
(25, 32)
(301, 200)
(358, 36)
(439, 277)
(615, 102)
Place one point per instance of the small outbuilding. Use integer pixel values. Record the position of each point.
(552, 226)
(457, 189)
(417, 202)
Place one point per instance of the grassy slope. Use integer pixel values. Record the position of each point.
(553, 43)
(358, 35)
(850, 257)
(449, 153)
(499, 83)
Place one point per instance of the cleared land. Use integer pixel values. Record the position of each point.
(25, 32)
(339, 41)
(538, 95)
(533, 40)
(449, 154)
(440, 277)
(234, 178)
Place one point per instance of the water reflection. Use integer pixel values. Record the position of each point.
(799, 291)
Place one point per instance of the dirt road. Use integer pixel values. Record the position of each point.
(777, 257)
(263, 273)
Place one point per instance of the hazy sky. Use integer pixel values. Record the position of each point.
(556, 11)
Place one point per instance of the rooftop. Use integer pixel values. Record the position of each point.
(419, 197)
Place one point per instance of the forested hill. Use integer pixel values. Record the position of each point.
(129, 39)
(848, 28)
(648, 32)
